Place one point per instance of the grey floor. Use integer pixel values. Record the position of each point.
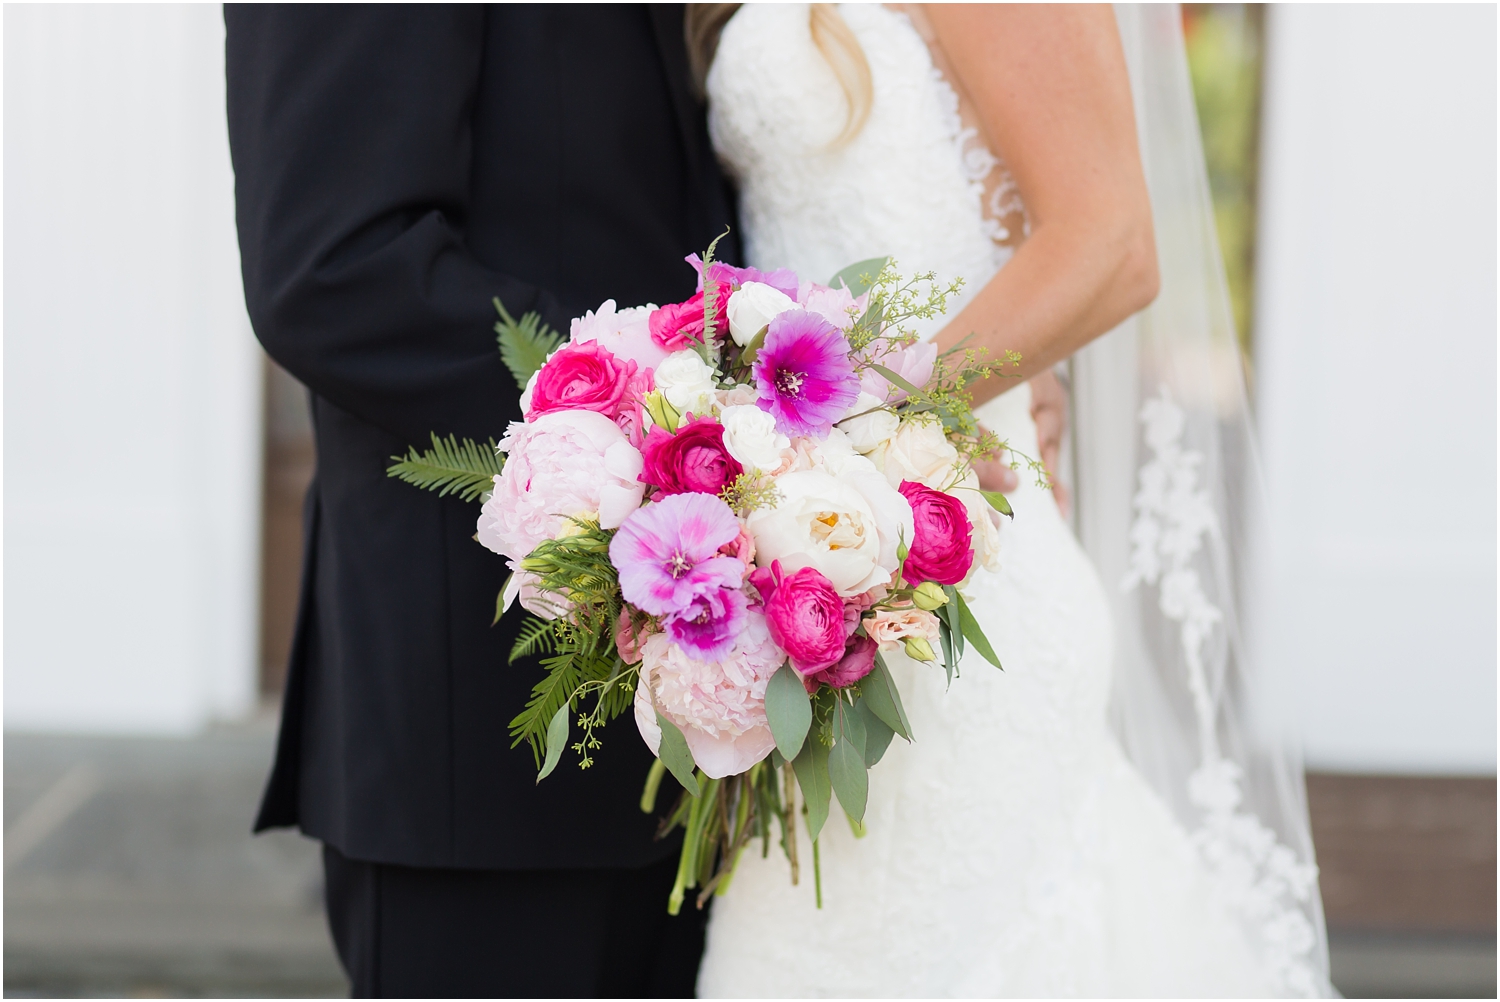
(130, 871)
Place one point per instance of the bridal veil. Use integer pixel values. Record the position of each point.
(1167, 491)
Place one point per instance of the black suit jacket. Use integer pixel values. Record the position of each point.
(395, 168)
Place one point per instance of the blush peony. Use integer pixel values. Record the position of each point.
(626, 333)
(719, 705)
(562, 464)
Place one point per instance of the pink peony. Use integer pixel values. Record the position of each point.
(857, 662)
(626, 333)
(583, 376)
(805, 615)
(942, 550)
(562, 464)
(691, 460)
(720, 705)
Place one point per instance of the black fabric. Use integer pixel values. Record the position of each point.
(395, 169)
(410, 932)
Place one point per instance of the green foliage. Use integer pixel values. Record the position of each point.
(788, 710)
(575, 574)
(973, 633)
(880, 695)
(557, 739)
(676, 755)
(524, 344)
(847, 772)
(860, 276)
(748, 492)
(450, 467)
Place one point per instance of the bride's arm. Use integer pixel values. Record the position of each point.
(1050, 87)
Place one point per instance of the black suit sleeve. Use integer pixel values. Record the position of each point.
(350, 133)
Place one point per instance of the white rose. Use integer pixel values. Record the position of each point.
(832, 522)
(687, 382)
(984, 519)
(753, 306)
(750, 436)
(920, 452)
(871, 426)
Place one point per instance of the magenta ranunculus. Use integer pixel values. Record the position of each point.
(805, 614)
(783, 280)
(679, 326)
(857, 662)
(581, 377)
(707, 628)
(693, 460)
(803, 374)
(942, 550)
(667, 553)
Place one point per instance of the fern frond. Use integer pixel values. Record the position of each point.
(535, 637)
(524, 344)
(547, 696)
(450, 467)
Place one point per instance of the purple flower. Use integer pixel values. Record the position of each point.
(668, 557)
(782, 279)
(709, 627)
(804, 375)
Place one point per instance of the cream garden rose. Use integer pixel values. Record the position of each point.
(752, 307)
(750, 436)
(687, 382)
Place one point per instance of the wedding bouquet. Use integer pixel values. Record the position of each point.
(723, 514)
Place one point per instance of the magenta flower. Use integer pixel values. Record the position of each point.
(803, 374)
(708, 628)
(782, 279)
(667, 553)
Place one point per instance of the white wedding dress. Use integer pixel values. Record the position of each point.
(1012, 849)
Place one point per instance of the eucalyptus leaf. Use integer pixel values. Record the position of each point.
(879, 694)
(998, 502)
(846, 761)
(878, 733)
(500, 599)
(900, 381)
(557, 740)
(853, 276)
(975, 634)
(789, 711)
(811, 768)
(675, 753)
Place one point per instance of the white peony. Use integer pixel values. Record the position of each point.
(919, 452)
(841, 518)
(751, 437)
(870, 427)
(687, 382)
(753, 306)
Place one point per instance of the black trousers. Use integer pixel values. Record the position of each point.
(413, 932)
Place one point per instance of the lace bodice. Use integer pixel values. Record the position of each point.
(917, 182)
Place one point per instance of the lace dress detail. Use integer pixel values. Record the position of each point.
(1011, 848)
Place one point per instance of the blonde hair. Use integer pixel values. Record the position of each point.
(830, 33)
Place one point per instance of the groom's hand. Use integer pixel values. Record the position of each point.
(1049, 409)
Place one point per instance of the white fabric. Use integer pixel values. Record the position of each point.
(1012, 848)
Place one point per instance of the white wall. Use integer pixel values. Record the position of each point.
(131, 378)
(1375, 345)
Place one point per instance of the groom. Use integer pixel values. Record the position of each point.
(395, 169)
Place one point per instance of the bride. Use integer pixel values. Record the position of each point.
(1095, 820)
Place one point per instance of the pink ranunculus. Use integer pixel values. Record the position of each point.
(742, 548)
(631, 417)
(678, 326)
(911, 362)
(942, 550)
(628, 639)
(584, 377)
(626, 333)
(720, 705)
(693, 460)
(562, 464)
(889, 627)
(857, 662)
(805, 615)
(837, 306)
